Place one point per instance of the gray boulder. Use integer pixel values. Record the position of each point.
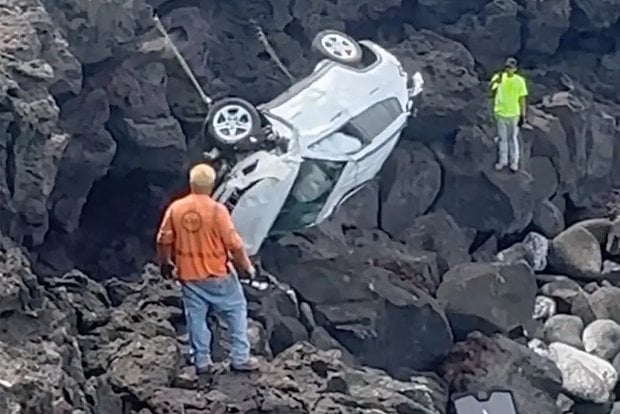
(566, 329)
(496, 362)
(505, 297)
(602, 338)
(577, 253)
(533, 250)
(564, 291)
(584, 376)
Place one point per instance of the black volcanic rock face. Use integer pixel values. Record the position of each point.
(94, 102)
(98, 125)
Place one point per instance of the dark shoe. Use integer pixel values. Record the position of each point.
(250, 365)
(205, 377)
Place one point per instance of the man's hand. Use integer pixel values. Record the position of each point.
(521, 121)
(168, 270)
(250, 273)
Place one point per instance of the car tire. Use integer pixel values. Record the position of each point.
(338, 46)
(231, 121)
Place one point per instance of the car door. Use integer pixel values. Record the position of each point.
(379, 128)
(256, 192)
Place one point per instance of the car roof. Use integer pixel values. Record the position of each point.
(325, 99)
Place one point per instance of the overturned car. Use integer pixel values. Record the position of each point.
(291, 162)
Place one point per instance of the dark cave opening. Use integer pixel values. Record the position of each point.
(117, 227)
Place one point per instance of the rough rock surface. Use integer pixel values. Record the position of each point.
(98, 124)
(583, 375)
(534, 380)
(95, 105)
(505, 296)
(72, 345)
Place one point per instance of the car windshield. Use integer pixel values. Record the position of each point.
(314, 184)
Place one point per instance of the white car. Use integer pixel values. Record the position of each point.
(292, 161)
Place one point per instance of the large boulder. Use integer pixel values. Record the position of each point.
(505, 296)
(563, 328)
(363, 308)
(602, 339)
(410, 182)
(584, 376)
(488, 363)
(577, 253)
(438, 232)
(533, 250)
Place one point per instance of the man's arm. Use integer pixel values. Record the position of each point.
(165, 239)
(232, 241)
(523, 98)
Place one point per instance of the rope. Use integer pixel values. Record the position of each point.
(272, 53)
(182, 61)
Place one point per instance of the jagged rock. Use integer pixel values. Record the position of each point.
(605, 303)
(451, 67)
(287, 331)
(34, 378)
(533, 250)
(404, 200)
(96, 32)
(36, 59)
(89, 300)
(483, 363)
(85, 159)
(143, 365)
(360, 211)
(602, 338)
(303, 376)
(363, 309)
(564, 292)
(566, 329)
(479, 33)
(548, 219)
(583, 375)
(547, 21)
(597, 15)
(587, 125)
(439, 233)
(577, 253)
(505, 297)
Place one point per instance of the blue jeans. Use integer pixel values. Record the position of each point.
(225, 296)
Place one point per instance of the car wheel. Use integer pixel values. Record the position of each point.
(232, 120)
(338, 46)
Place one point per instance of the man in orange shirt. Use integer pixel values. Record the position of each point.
(195, 241)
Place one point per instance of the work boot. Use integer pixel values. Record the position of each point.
(514, 167)
(499, 166)
(251, 364)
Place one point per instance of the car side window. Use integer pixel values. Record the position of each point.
(314, 184)
(374, 120)
(360, 130)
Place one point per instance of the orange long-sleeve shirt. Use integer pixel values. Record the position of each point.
(201, 234)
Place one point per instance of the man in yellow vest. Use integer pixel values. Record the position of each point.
(509, 91)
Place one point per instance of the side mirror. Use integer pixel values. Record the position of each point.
(418, 84)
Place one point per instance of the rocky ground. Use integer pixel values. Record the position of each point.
(98, 126)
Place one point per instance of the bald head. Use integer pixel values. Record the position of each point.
(202, 179)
